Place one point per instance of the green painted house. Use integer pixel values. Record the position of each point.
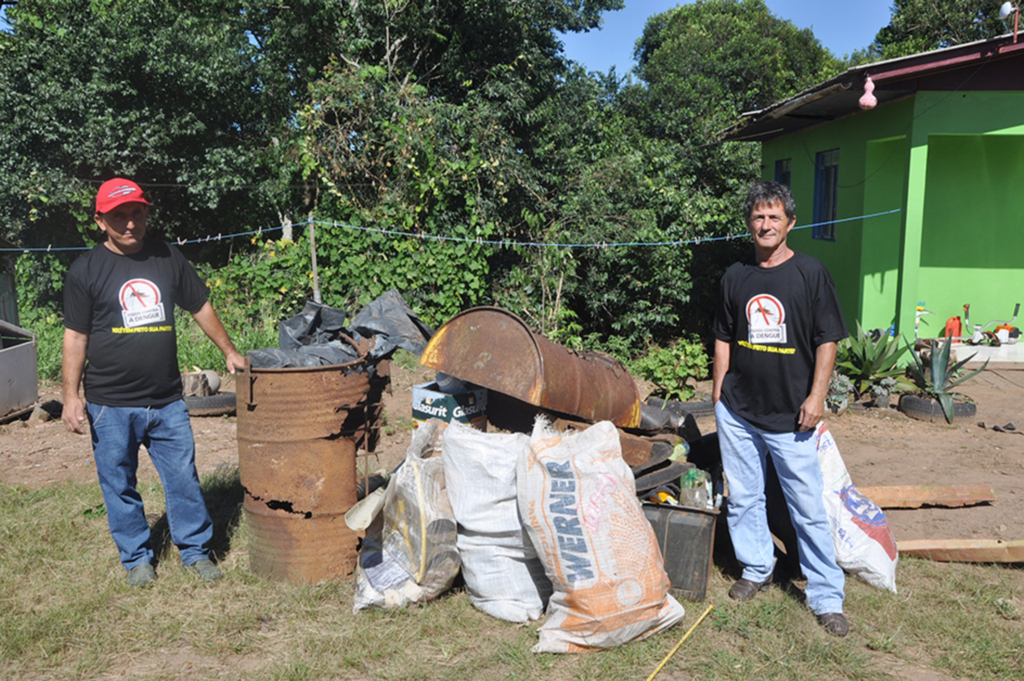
(919, 199)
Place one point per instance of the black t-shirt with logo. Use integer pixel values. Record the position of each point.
(774, 319)
(125, 304)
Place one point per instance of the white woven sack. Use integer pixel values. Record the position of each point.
(503, 576)
(864, 543)
(578, 501)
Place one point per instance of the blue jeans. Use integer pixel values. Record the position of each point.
(166, 433)
(795, 455)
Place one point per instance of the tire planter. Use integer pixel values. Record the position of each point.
(211, 405)
(929, 409)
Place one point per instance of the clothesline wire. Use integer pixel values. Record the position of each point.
(492, 242)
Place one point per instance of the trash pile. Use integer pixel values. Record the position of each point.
(546, 523)
(305, 412)
(547, 519)
(593, 510)
(318, 336)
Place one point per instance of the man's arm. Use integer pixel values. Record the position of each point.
(721, 367)
(72, 365)
(211, 326)
(813, 408)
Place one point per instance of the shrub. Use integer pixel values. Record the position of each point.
(671, 368)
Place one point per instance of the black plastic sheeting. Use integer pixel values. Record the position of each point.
(313, 337)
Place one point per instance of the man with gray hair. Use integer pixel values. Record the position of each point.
(776, 329)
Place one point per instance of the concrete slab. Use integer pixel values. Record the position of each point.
(1003, 357)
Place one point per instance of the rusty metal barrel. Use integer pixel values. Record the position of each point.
(495, 349)
(298, 430)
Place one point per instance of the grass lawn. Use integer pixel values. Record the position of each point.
(66, 613)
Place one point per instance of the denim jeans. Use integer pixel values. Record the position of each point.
(166, 433)
(795, 455)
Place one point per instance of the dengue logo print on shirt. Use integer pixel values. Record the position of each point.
(766, 320)
(141, 303)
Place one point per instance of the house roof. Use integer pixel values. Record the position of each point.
(982, 65)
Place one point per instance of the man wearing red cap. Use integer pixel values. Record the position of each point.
(119, 337)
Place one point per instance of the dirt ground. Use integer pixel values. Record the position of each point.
(879, 446)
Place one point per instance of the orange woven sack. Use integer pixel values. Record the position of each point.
(578, 504)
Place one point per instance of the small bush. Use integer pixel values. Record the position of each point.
(671, 368)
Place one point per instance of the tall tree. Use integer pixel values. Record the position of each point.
(426, 121)
(709, 61)
(922, 25)
(187, 98)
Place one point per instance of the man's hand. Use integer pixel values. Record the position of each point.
(212, 327)
(73, 415)
(811, 412)
(723, 352)
(235, 361)
(72, 363)
(813, 408)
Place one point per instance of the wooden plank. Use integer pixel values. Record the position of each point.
(964, 550)
(916, 496)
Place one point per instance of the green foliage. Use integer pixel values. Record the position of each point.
(36, 278)
(937, 377)
(249, 328)
(705, 63)
(923, 25)
(394, 158)
(673, 367)
(866, 361)
(277, 275)
(425, 119)
(176, 97)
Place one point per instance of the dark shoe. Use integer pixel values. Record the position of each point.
(744, 589)
(206, 570)
(141, 575)
(834, 623)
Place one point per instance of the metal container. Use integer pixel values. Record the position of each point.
(19, 376)
(298, 431)
(687, 539)
(494, 348)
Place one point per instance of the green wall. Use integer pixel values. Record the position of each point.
(872, 164)
(959, 183)
(880, 242)
(972, 248)
(964, 142)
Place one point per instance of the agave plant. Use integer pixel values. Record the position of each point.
(867, 361)
(938, 379)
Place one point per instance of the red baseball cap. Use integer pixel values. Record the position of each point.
(113, 193)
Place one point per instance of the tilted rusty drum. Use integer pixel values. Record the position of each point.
(495, 349)
(297, 435)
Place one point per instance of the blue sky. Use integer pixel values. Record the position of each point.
(841, 25)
